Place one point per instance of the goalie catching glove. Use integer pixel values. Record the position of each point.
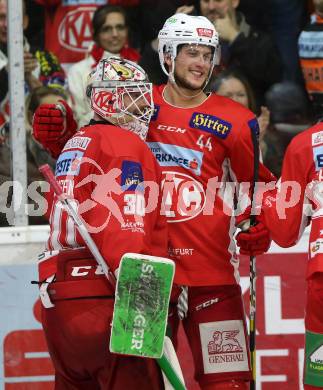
(252, 240)
(53, 126)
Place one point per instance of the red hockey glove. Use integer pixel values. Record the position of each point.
(255, 241)
(53, 126)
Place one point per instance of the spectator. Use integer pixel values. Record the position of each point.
(68, 31)
(35, 32)
(311, 58)
(40, 67)
(242, 46)
(253, 11)
(110, 34)
(36, 156)
(289, 115)
(285, 22)
(232, 84)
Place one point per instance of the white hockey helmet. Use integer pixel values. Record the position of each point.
(120, 93)
(182, 29)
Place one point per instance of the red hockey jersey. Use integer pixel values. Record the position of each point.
(286, 210)
(197, 149)
(107, 171)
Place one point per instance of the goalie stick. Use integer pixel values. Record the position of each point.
(175, 378)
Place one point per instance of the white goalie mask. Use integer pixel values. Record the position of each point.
(181, 29)
(120, 93)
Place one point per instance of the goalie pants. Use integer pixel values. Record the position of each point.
(215, 327)
(77, 331)
(313, 362)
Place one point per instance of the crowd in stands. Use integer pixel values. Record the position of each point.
(271, 62)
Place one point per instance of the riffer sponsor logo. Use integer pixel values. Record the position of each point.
(210, 124)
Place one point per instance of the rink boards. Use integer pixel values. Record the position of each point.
(24, 360)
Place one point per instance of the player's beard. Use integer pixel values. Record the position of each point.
(182, 83)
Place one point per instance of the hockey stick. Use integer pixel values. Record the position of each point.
(173, 377)
(49, 176)
(252, 262)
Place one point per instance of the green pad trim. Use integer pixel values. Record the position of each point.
(313, 374)
(141, 305)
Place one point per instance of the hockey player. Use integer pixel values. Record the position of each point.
(103, 168)
(285, 213)
(201, 142)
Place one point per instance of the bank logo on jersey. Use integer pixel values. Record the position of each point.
(69, 163)
(74, 32)
(169, 155)
(155, 112)
(183, 197)
(131, 175)
(318, 157)
(210, 124)
(77, 143)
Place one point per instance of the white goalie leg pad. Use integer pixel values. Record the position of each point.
(170, 354)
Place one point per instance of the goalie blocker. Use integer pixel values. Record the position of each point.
(141, 305)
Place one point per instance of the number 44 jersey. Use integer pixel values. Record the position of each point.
(200, 151)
